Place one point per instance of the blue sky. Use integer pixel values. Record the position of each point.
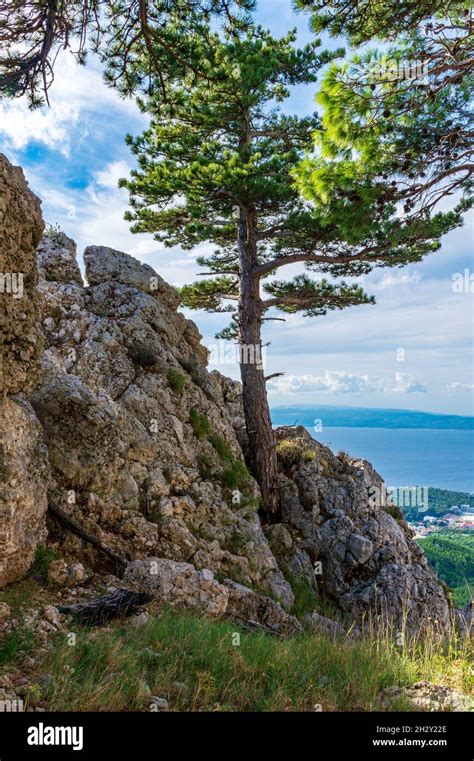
(412, 350)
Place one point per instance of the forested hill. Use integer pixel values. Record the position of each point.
(439, 502)
(363, 417)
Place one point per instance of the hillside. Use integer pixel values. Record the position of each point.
(451, 554)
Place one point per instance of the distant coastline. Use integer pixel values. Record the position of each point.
(365, 417)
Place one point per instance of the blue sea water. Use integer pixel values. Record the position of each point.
(442, 458)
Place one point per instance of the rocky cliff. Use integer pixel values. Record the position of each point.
(126, 432)
(23, 455)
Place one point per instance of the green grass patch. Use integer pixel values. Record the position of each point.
(193, 663)
(199, 423)
(44, 556)
(176, 380)
(220, 447)
(18, 642)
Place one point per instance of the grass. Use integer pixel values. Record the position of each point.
(18, 642)
(44, 556)
(291, 453)
(235, 476)
(193, 663)
(176, 380)
(199, 423)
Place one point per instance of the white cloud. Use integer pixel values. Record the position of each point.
(397, 281)
(342, 382)
(77, 93)
(52, 127)
(458, 386)
(109, 177)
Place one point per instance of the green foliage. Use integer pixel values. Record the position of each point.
(44, 556)
(199, 423)
(306, 599)
(396, 120)
(210, 294)
(289, 453)
(176, 380)
(56, 313)
(314, 298)
(134, 40)
(235, 475)
(451, 554)
(440, 501)
(205, 465)
(395, 512)
(221, 447)
(114, 669)
(17, 643)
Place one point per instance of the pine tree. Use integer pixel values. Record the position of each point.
(218, 164)
(403, 110)
(135, 39)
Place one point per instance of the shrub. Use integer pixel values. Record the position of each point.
(175, 379)
(220, 446)
(395, 512)
(289, 453)
(44, 556)
(56, 313)
(343, 458)
(306, 598)
(54, 233)
(205, 464)
(235, 476)
(308, 455)
(142, 355)
(199, 423)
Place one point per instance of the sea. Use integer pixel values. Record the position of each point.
(441, 458)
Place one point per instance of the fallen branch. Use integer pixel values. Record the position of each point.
(122, 602)
(77, 529)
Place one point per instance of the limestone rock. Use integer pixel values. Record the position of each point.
(125, 459)
(105, 264)
(369, 564)
(424, 696)
(56, 258)
(24, 475)
(246, 606)
(21, 226)
(178, 584)
(62, 574)
(325, 626)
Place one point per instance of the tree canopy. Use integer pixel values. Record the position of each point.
(402, 110)
(134, 38)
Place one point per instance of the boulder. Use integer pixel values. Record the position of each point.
(21, 226)
(424, 696)
(24, 476)
(180, 585)
(248, 607)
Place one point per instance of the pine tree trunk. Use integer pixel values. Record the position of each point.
(262, 453)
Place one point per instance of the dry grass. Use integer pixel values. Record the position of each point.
(195, 665)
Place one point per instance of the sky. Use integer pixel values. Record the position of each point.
(413, 349)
